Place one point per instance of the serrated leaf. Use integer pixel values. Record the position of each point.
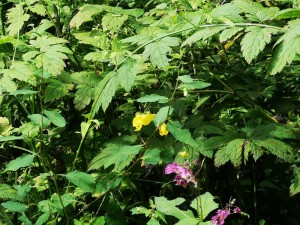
(232, 151)
(157, 51)
(8, 193)
(7, 84)
(203, 34)
(228, 33)
(56, 90)
(119, 156)
(22, 161)
(113, 22)
(255, 41)
(107, 183)
(127, 73)
(141, 210)
(103, 95)
(273, 130)
(255, 11)
(228, 11)
(277, 148)
(153, 98)
(14, 206)
(287, 13)
(38, 9)
(82, 180)
(16, 18)
(168, 207)
(20, 71)
(204, 204)
(55, 118)
(181, 134)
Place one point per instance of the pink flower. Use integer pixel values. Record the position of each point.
(219, 219)
(237, 210)
(183, 174)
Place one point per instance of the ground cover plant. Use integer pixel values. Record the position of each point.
(149, 112)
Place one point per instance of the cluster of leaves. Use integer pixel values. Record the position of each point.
(221, 76)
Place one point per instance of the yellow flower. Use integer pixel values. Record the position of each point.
(147, 118)
(137, 122)
(142, 119)
(163, 130)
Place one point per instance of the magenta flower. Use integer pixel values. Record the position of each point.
(183, 174)
(219, 218)
(237, 210)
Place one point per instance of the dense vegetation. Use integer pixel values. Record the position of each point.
(149, 112)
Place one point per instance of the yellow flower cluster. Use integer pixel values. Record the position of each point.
(141, 119)
(144, 119)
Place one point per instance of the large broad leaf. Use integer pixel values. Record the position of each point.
(16, 17)
(232, 151)
(14, 206)
(39, 120)
(255, 41)
(295, 185)
(117, 155)
(180, 133)
(157, 51)
(82, 180)
(204, 204)
(23, 161)
(189, 221)
(168, 207)
(8, 193)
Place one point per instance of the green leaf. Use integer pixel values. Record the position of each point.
(232, 151)
(113, 154)
(151, 156)
(153, 221)
(255, 11)
(295, 185)
(255, 41)
(287, 50)
(277, 148)
(194, 85)
(42, 219)
(55, 118)
(95, 38)
(82, 180)
(16, 18)
(228, 33)
(157, 51)
(181, 134)
(14, 206)
(127, 73)
(168, 207)
(8, 193)
(10, 138)
(203, 34)
(204, 204)
(85, 14)
(23, 161)
(189, 221)
(162, 115)
(113, 22)
(153, 98)
(141, 210)
(56, 90)
(58, 202)
(107, 182)
(287, 13)
(20, 71)
(52, 54)
(7, 84)
(39, 120)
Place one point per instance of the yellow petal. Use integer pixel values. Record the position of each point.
(163, 130)
(147, 118)
(137, 122)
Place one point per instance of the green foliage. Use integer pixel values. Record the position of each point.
(124, 88)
